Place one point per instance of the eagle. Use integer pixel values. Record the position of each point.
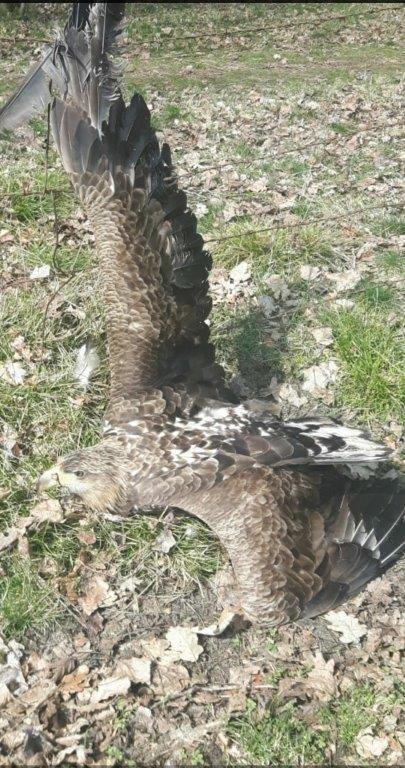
(302, 537)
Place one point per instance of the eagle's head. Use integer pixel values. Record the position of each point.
(98, 475)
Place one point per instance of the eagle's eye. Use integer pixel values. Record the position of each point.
(79, 473)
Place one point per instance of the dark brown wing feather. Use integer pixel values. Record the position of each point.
(72, 68)
(300, 543)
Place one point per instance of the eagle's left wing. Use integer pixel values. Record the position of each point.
(130, 232)
(152, 259)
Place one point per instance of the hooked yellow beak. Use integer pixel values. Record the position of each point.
(48, 479)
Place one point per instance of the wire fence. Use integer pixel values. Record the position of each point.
(228, 166)
(272, 153)
(291, 22)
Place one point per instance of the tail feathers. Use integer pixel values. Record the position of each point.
(77, 141)
(332, 443)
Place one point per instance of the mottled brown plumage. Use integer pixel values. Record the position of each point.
(300, 536)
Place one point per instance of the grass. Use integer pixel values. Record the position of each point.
(278, 738)
(243, 344)
(389, 225)
(273, 251)
(372, 359)
(27, 602)
(27, 596)
(392, 261)
(283, 736)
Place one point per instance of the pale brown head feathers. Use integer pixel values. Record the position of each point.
(98, 475)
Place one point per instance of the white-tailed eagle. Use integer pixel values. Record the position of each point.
(301, 537)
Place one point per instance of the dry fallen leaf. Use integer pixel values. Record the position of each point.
(48, 510)
(5, 695)
(309, 273)
(8, 442)
(321, 681)
(369, 746)
(155, 647)
(76, 681)
(241, 273)
(323, 336)
(169, 679)
(13, 373)
(344, 281)
(277, 286)
(165, 541)
(111, 686)
(288, 394)
(267, 305)
(97, 593)
(137, 669)
(40, 272)
(184, 642)
(318, 377)
(348, 627)
(201, 209)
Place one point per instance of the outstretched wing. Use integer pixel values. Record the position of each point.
(154, 266)
(130, 233)
(301, 544)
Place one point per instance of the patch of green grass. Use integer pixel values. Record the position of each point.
(389, 225)
(65, 258)
(26, 600)
(39, 126)
(194, 556)
(372, 358)
(373, 294)
(347, 716)
(243, 345)
(294, 166)
(313, 244)
(278, 738)
(167, 115)
(283, 736)
(242, 149)
(392, 261)
(117, 755)
(124, 715)
(35, 206)
(194, 757)
(59, 543)
(207, 221)
(243, 245)
(274, 250)
(29, 602)
(344, 129)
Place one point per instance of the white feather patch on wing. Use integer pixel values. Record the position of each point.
(87, 361)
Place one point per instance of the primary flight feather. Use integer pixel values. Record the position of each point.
(301, 537)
